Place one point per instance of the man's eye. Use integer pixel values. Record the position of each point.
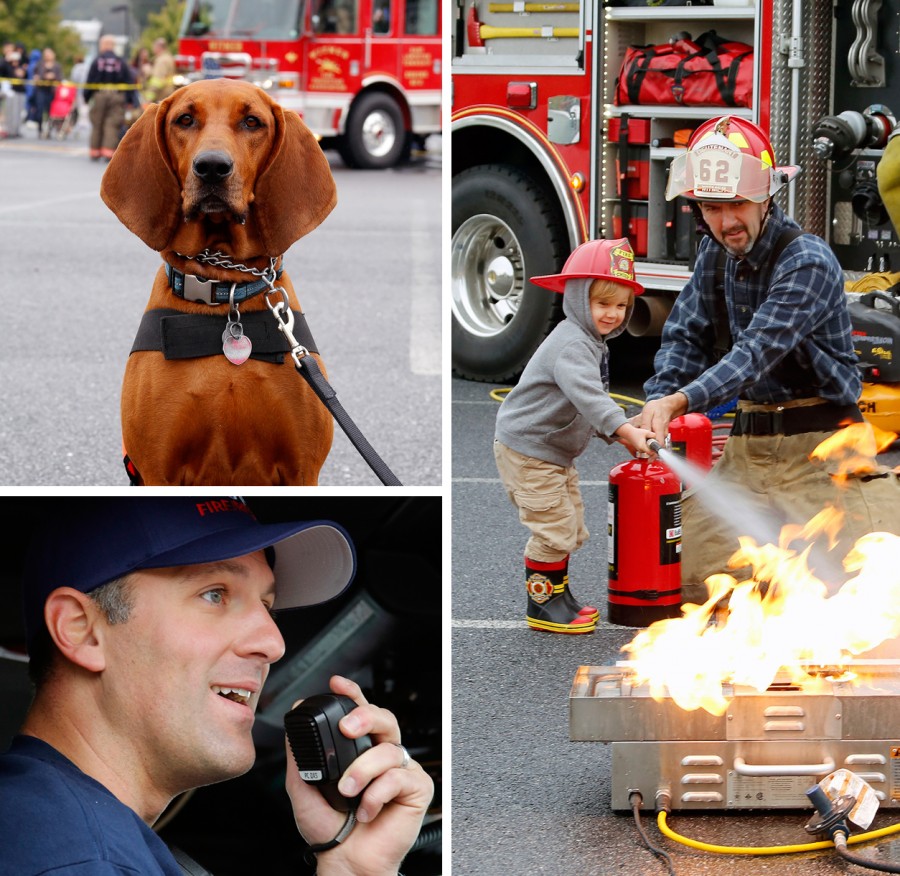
(214, 597)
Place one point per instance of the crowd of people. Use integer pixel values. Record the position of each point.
(35, 93)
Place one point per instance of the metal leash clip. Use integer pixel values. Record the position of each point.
(285, 317)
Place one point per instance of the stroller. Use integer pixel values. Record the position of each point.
(63, 111)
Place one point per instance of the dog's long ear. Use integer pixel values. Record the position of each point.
(139, 185)
(296, 191)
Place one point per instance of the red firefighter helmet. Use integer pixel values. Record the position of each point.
(728, 159)
(599, 260)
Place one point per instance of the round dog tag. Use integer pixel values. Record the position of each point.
(237, 350)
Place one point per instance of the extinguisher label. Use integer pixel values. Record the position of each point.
(669, 529)
(612, 553)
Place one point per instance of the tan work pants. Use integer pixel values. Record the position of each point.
(549, 502)
(107, 115)
(770, 477)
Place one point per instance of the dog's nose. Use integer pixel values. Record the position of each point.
(213, 167)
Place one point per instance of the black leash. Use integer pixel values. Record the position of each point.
(309, 370)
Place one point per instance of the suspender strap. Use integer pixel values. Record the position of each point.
(722, 342)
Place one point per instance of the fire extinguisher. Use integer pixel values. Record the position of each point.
(644, 517)
(691, 438)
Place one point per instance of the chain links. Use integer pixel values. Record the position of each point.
(221, 260)
(281, 310)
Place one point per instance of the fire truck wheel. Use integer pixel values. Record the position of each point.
(376, 136)
(505, 230)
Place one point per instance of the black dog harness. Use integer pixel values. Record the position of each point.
(179, 335)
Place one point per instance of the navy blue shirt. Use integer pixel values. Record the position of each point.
(797, 306)
(55, 819)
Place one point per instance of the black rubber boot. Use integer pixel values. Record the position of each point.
(550, 606)
(573, 603)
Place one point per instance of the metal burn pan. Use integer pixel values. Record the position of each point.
(763, 752)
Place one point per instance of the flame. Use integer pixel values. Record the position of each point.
(852, 450)
(783, 616)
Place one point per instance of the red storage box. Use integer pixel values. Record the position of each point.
(637, 171)
(637, 174)
(637, 227)
(638, 130)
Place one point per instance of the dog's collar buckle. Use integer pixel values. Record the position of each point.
(192, 287)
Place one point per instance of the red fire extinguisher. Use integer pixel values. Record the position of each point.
(644, 517)
(691, 437)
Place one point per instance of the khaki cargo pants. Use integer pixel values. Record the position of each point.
(762, 482)
(107, 115)
(549, 503)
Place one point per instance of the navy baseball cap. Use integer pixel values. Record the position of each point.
(85, 542)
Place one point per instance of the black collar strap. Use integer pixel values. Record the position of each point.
(206, 291)
(180, 335)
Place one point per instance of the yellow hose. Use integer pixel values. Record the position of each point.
(767, 850)
(624, 398)
(500, 393)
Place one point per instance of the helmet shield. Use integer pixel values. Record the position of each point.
(716, 169)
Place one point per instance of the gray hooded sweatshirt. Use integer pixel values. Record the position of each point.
(562, 398)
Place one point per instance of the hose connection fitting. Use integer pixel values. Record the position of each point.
(663, 800)
(831, 815)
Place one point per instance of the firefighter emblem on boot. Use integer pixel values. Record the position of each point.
(539, 587)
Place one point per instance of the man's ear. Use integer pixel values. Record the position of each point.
(72, 618)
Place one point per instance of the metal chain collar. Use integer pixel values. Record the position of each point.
(281, 310)
(221, 260)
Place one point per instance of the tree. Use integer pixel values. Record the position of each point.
(35, 24)
(165, 23)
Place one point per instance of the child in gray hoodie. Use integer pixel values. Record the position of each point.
(560, 402)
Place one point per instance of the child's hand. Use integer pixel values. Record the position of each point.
(634, 438)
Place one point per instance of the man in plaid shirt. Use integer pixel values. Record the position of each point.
(773, 331)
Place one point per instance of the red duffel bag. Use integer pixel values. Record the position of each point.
(710, 71)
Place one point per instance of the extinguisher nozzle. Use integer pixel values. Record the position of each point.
(654, 445)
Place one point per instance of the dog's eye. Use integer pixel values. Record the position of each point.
(252, 122)
(185, 120)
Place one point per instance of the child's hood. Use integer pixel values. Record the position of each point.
(577, 307)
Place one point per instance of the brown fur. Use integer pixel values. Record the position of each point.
(205, 421)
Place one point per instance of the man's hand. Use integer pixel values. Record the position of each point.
(393, 803)
(657, 414)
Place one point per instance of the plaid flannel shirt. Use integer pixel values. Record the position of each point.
(797, 305)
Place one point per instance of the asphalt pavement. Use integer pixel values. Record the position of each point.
(526, 800)
(75, 283)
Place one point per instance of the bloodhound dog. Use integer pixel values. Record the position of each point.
(221, 181)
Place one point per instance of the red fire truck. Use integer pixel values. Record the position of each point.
(364, 74)
(544, 155)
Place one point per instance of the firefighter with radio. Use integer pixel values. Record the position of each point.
(548, 419)
(763, 319)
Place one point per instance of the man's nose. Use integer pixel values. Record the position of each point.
(262, 636)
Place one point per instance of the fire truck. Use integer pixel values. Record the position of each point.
(365, 75)
(546, 154)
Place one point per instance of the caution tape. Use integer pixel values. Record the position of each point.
(112, 86)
